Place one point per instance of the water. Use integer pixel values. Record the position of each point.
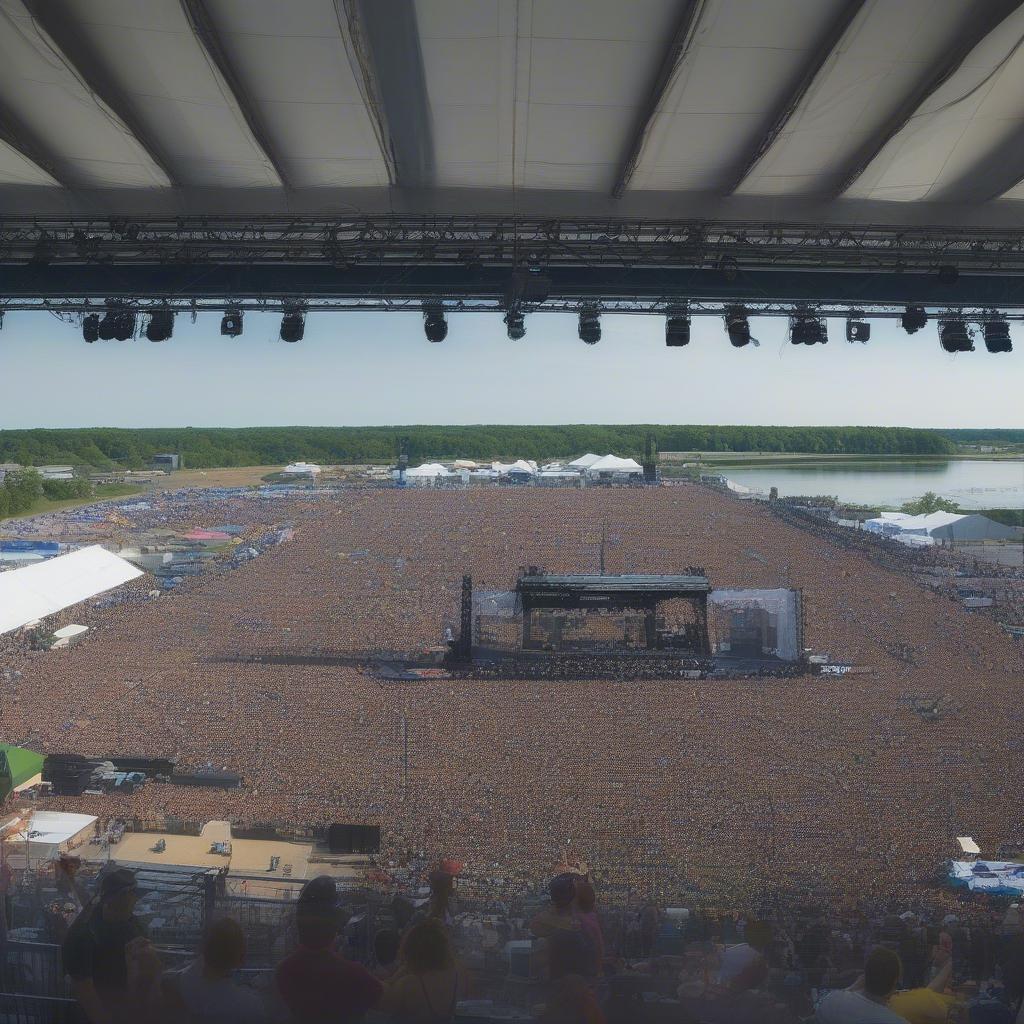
(970, 483)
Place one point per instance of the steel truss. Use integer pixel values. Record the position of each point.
(473, 242)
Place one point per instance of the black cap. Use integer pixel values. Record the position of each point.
(116, 882)
(319, 895)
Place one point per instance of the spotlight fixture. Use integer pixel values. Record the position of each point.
(954, 336)
(90, 327)
(997, 335)
(108, 325)
(913, 319)
(807, 329)
(856, 328)
(435, 326)
(589, 329)
(515, 323)
(677, 328)
(293, 325)
(738, 326)
(124, 324)
(231, 323)
(161, 325)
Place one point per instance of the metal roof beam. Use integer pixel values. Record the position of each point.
(202, 26)
(780, 118)
(688, 19)
(58, 30)
(384, 44)
(983, 21)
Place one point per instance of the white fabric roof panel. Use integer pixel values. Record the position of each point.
(742, 64)
(294, 66)
(16, 169)
(885, 54)
(40, 590)
(172, 87)
(47, 95)
(946, 145)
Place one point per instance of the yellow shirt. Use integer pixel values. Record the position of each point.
(922, 1006)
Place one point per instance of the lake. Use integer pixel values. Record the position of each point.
(970, 483)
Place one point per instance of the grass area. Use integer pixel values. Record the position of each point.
(103, 493)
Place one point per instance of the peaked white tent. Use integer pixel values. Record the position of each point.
(613, 464)
(428, 469)
(584, 461)
(40, 590)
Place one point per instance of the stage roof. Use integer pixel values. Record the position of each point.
(808, 111)
(615, 584)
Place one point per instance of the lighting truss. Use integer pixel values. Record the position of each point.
(477, 242)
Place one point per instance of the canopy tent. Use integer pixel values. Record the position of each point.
(997, 878)
(48, 834)
(17, 765)
(968, 845)
(584, 461)
(613, 464)
(40, 590)
(428, 469)
(976, 528)
(301, 469)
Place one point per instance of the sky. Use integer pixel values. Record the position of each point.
(374, 368)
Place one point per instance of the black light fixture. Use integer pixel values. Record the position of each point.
(161, 325)
(90, 327)
(807, 329)
(435, 326)
(589, 328)
(677, 328)
(857, 329)
(954, 336)
(738, 326)
(515, 324)
(293, 325)
(997, 335)
(913, 319)
(231, 323)
(108, 325)
(124, 324)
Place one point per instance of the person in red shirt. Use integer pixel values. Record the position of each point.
(317, 985)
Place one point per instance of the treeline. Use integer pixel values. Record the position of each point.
(982, 436)
(22, 488)
(203, 448)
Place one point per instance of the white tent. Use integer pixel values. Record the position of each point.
(428, 469)
(40, 590)
(584, 461)
(464, 464)
(522, 466)
(613, 464)
(968, 845)
(890, 523)
(301, 469)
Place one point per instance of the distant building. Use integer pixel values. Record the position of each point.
(56, 472)
(166, 462)
(299, 470)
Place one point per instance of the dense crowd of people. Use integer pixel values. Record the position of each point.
(432, 956)
(710, 789)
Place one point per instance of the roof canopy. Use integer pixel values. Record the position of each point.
(612, 463)
(40, 590)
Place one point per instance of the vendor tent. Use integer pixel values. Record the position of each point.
(612, 464)
(40, 590)
(584, 461)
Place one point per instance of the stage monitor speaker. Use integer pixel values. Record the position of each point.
(354, 839)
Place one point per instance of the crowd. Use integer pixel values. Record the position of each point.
(564, 959)
(707, 789)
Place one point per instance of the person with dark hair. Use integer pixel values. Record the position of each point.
(425, 988)
(317, 985)
(203, 993)
(866, 1001)
(570, 999)
(559, 915)
(107, 955)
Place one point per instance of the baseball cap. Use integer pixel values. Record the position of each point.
(116, 882)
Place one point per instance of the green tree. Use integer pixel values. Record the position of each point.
(929, 502)
(24, 488)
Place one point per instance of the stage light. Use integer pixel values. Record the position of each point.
(738, 326)
(997, 336)
(806, 329)
(857, 329)
(515, 324)
(589, 328)
(954, 336)
(124, 324)
(293, 325)
(90, 327)
(677, 330)
(161, 325)
(913, 319)
(108, 325)
(435, 326)
(231, 323)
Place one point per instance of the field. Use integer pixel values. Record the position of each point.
(835, 784)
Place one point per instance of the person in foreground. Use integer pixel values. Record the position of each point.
(112, 966)
(867, 1000)
(203, 993)
(425, 989)
(316, 984)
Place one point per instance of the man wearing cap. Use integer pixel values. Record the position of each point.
(97, 950)
(315, 982)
